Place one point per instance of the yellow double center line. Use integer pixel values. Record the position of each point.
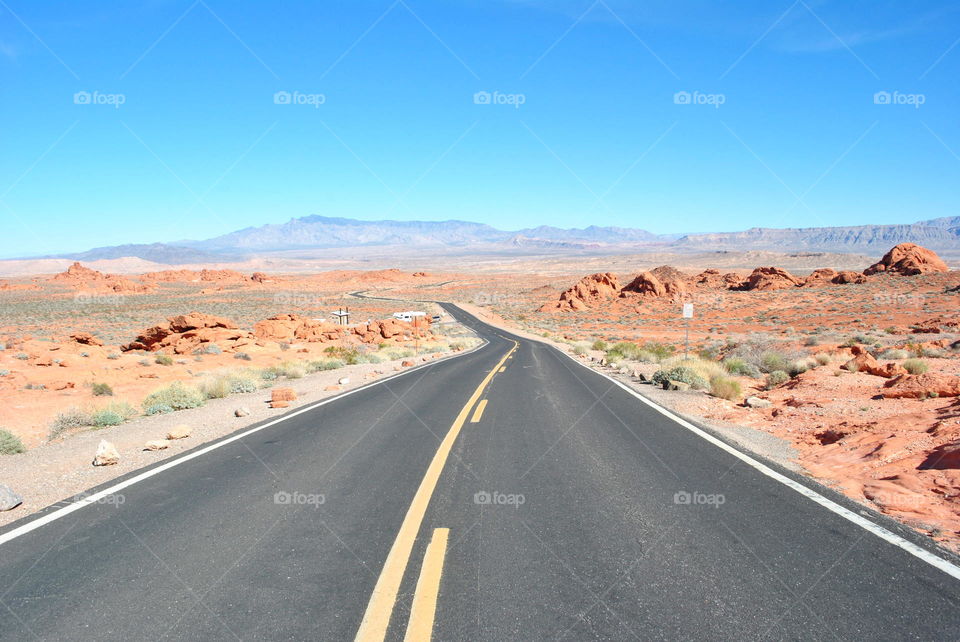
(376, 619)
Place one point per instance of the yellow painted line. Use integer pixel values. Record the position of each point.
(420, 625)
(479, 411)
(376, 619)
(502, 368)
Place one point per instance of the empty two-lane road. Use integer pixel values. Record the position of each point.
(505, 494)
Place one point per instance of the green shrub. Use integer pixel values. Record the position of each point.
(177, 396)
(771, 361)
(102, 390)
(599, 344)
(113, 414)
(208, 348)
(158, 409)
(915, 366)
(626, 350)
(328, 364)
(243, 356)
(215, 387)
(243, 381)
(290, 370)
(737, 366)
(681, 374)
(350, 356)
(799, 366)
(23, 356)
(725, 388)
(394, 353)
(164, 360)
(705, 370)
(106, 417)
(776, 378)
(67, 420)
(660, 351)
(10, 444)
(822, 358)
(894, 354)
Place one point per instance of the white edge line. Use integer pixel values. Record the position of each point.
(933, 560)
(881, 532)
(95, 497)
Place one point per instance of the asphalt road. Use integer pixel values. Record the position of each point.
(571, 510)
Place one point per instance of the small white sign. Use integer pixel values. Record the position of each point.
(687, 310)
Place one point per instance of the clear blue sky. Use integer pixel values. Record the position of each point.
(199, 147)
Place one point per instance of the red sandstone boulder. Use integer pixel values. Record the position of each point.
(588, 292)
(645, 284)
(770, 278)
(908, 259)
(922, 386)
(85, 338)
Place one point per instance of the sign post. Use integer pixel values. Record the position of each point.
(687, 315)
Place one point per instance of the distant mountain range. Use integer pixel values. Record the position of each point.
(156, 252)
(937, 234)
(324, 233)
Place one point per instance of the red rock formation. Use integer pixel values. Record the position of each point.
(733, 281)
(171, 276)
(863, 361)
(847, 276)
(819, 277)
(187, 332)
(77, 272)
(85, 338)
(908, 259)
(221, 275)
(645, 284)
(770, 278)
(709, 278)
(673, 280)
(589, 291)
(79, 277)
(935, 325)
(922, 386)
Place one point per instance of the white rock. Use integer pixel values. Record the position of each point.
(157, 444)
(343, 381)
(107, 454)
(242, 411)
(179, 432)
(9, 499)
